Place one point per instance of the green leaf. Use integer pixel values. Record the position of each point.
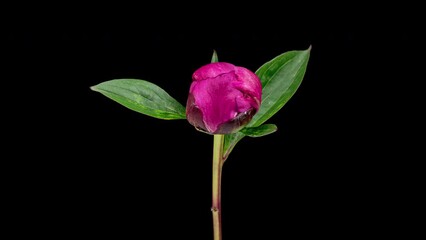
(259, 131)
(280, 79)
(143, 97)
(214, 57)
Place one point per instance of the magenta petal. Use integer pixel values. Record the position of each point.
(212, 70)
(249, 84)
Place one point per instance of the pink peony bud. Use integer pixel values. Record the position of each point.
(223, 98)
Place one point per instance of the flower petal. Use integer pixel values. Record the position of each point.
(212, 70)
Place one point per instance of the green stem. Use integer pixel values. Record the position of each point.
(217, 175)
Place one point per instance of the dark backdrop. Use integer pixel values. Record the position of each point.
(89, 167)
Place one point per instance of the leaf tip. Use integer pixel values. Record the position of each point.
(214, 57)
(93, 88)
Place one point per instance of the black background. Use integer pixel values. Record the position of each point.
(87, 166)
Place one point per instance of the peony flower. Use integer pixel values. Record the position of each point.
(223, 98)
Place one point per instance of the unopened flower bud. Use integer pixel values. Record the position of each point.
(223, 98)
